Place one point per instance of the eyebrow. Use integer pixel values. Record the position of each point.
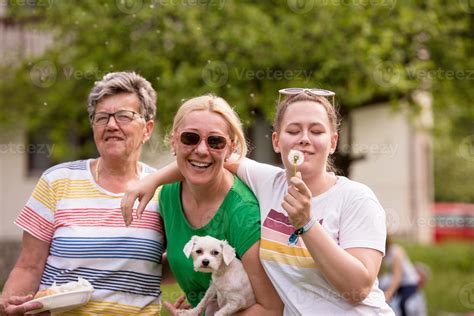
(311, 124)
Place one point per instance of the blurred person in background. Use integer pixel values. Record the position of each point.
(402, 281)
(72, 222)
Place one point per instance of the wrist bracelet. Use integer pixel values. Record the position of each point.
(294, 237)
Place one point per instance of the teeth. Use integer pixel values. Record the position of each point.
(200, 164)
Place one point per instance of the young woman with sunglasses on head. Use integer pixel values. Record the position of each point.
(323, 236)
(210, 200)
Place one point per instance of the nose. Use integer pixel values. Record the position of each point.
(201, 148)
(304, 138)
(205, 262)
(112, 123)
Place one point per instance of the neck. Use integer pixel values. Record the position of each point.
(215, 190)
(116, 168)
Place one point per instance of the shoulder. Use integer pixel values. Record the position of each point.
(353, 190)
(240, 193)
(169, 190)
(66, 169)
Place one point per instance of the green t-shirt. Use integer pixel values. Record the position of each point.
(237, 220)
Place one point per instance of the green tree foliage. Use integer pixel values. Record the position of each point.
(366, 51)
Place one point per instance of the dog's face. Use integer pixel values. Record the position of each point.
(208, 253)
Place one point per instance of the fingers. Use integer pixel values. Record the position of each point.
(170, 307)
(127, 207)
(299, 184)
(143, 203)
(18, 300)
(180, 301)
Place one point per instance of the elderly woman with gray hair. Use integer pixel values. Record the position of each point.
(72, 222)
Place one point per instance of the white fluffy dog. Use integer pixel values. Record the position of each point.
(230, 283)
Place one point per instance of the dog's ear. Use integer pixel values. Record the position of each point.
(228, 252)
(188, 248)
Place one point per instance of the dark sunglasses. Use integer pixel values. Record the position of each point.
(213, 141)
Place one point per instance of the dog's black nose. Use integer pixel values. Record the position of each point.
(205, 262)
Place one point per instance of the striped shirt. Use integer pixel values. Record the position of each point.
(83, 224)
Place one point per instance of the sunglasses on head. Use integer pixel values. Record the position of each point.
(213, 141)
(311, 91)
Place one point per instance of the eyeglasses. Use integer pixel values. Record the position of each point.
(312, 91)
(213, 141)
(122, 116)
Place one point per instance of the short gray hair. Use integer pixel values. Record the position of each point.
(118, 82)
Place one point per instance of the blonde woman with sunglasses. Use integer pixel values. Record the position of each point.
(210, 200)
(323, 235)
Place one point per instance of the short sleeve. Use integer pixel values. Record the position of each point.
(244, 227)
(37, 216)
(255, 175)
(363, 225)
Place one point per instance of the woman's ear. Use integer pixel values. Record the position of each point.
(149, 125)
(276, 142)
(334, 139)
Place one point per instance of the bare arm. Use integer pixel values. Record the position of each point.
(145, 189)
(351, 271)
(25, 277)
(168, 277)
(268, 301)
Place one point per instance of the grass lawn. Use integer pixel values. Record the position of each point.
(451, 286)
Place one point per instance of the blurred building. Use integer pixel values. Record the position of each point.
(16, 181)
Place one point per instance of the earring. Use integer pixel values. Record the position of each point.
(173, 153)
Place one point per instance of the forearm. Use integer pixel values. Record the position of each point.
(22, 281)
(168, 174)
(258, 309)
(346, 273)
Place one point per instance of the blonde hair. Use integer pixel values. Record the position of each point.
(220, 106)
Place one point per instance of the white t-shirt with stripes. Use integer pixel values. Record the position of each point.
(88, 238)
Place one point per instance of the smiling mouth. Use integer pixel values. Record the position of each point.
(201, 165)
(113, 138)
